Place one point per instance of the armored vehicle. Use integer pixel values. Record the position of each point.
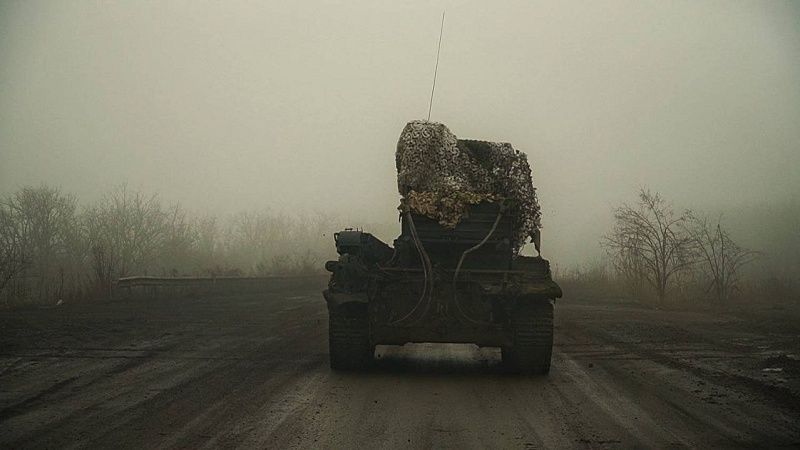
(444, 284)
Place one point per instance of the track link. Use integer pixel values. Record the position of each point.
(533, 339)
(348, 338)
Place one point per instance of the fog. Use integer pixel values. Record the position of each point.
(172, 173)
(297, 107)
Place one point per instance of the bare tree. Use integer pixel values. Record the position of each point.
(12, 257)
(650, 239)
(48, 233)
(253, 237)
(720, 257)
(208, 245)
(630, 266)
(179, 248)
(104, 266)
(125, 230)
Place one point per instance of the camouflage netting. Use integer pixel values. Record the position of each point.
(439, 175)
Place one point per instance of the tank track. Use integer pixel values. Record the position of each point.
(348, 338)
(532, 351)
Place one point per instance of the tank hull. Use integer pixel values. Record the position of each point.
(477, 309)
(440, 285)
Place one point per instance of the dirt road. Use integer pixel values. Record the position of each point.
(252, 371)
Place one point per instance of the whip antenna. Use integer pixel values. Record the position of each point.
(436, 69)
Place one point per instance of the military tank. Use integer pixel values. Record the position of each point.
(456, 273)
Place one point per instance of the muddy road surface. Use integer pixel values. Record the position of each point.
(252, 371)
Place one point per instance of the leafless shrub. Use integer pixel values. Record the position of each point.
(177, 252)
(630, 270)
(208, 245)
(276, 244)
(286, 264)
(720, 258)
(770, 289)
(591, 281)
(649, 242)
(252, 237)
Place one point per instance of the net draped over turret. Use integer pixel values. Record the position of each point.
(439, 176)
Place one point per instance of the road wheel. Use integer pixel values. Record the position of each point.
(348, 337)
(532, 326)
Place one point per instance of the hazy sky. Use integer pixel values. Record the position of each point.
(231, 105)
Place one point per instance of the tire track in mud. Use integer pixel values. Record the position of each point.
(20, 407)
(776, 394)
(114, 389)
(668, 381)
(189, 412)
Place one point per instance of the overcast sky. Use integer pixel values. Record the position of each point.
(298, 105)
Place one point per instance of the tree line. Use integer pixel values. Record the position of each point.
(54, 248)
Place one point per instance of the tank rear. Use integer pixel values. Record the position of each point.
(455, 273)
(460, 285)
